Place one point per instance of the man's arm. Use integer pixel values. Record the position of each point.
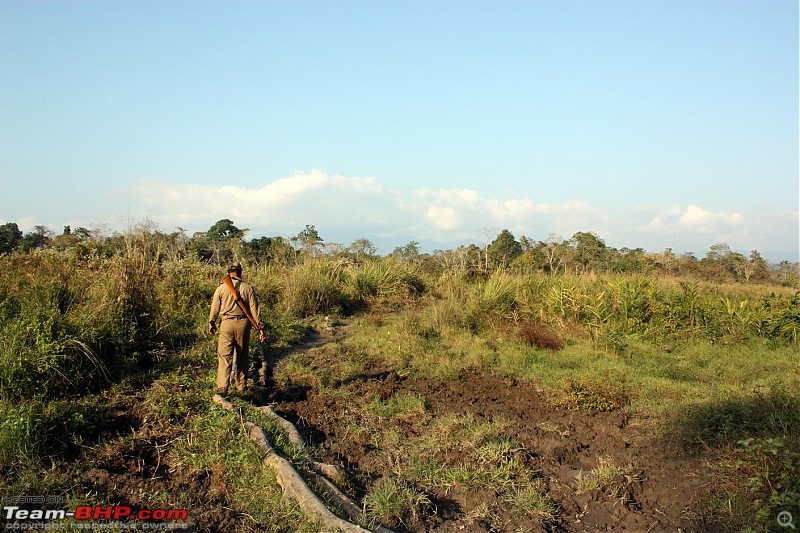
(216, 302)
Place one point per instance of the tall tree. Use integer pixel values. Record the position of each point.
(718, 252)
(667, 260)
(527, 243)
(453, 261)
(409, 251)
(590, 250)
(504, 249)
(223, 230)
(270, 249)
(554, 250)
(789, 273)
(627, 260)
(223, 239)
(82, 233)
(487, 232)
(362, 248)
(10, 237)
(309, 239)
(37, 238)
(758, 268)
(721, 261)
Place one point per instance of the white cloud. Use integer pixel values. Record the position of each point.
(694, 228)
(444, 218)
(343, 207)
(283, 205)
(27, 224)
(693, 219)
(698, 219)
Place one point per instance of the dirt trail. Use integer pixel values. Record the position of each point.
(661, 493)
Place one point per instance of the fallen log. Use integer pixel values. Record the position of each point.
(290, 480)
(344, 503)
(291, 431)
(323, 472)
(296, 439)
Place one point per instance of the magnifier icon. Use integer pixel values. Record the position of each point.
(785, 519)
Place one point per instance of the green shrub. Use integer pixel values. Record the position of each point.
(183, 295)
(491, 302)
(314, 286)
(770, 466)
(386, 282)
(20, 434)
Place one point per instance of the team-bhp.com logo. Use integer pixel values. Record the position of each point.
(92, 517)
(86, 512)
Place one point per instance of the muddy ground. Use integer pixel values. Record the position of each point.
(130, 461)
(560, 442)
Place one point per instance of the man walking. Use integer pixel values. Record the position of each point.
(234, 330)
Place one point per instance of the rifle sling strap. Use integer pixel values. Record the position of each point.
(237, 297)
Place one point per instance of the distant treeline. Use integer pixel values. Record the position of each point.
(583, 253)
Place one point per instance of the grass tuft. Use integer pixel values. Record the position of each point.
(393, 501)
(530, 499)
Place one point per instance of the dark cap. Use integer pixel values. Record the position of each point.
(235, 267)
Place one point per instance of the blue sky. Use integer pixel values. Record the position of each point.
(653, 123)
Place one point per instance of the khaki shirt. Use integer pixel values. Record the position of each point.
(223, 303)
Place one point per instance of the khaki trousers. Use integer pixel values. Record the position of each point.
(234, 337)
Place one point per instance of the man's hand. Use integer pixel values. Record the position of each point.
(262, 335)
(212, 328)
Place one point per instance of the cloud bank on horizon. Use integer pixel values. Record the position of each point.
(344, 208)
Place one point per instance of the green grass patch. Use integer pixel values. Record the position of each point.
(393, 501)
